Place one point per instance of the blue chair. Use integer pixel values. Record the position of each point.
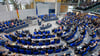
(43, 37)
(18, 41)
(44, 32)
(34, 44)
(17, 24)
(58, 50)
(28, 52)
(6, 36)
(28, 42)
(47, 43)
(55, 31)
(22, 51)
(33, 37)
(20, 35)
(65, 33)
(42, 52)
(11, 49)
(38, 37)
(98, 40)
(72, 44)
(52, 42)
(79, 43)
(14, 26)
(61, 34)
(24, 22)
(23, 42)
(15, 50)
(6, 46)
(0, 44)
(59, 29)
(35, 33)
(58, 41)
(40, 43)
(39, 33)
(94, 35)
(48, 32)
(49, 36)
(53, 36)
(10, 38)
(50, 51)
(36, 53)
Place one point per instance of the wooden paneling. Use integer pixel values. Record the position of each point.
(63, 8)
(58, 0)
(50, 0)
(45, 0)
(32, 5)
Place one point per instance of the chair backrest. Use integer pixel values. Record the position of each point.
(52, 42)
(23, 41)
(11, 49)
(35, 33)
(44, 32)
(33, 37)
(49, 36)
(15, 49)
(18, 41)
(47, 43)
(39, 33)
(48, 32)
(35, 52)
(28, 42)
(38, 37)
(43, 37)
(21, 51)
(42, 52)
(28, 52)
(50, 51)
(58, 41)
(40, 43)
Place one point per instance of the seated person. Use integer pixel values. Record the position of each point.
(2, 42)
(99, 53)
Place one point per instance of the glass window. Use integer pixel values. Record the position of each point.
(1, 0)
(10, 1)
(70, 8)
(11, 6)
(20, 4)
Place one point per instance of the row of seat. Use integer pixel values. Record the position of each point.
(16, 28)
(41, 32)
(36, 51)
(77, 41)
(35, 36)
(89, 47)
(92, 17)
(33, 42)
(7, 25)
(70, 36)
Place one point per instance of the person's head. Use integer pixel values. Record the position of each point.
(46, 54)
(84, 49)
(55, 55)
(35, 30)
